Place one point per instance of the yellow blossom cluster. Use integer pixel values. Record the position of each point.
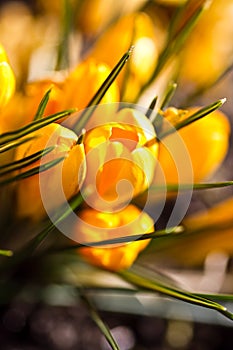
(117, 156)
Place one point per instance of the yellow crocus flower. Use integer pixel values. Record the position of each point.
(119, 163)
(74, 90)
(210, 231)
(208, 51)
(72, 168)
(206, 142)
(94, 15)
(95, 226)
(7, 79)
(83, 82)
(23, 106)
(135, 29)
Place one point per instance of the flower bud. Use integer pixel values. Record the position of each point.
(72, 170)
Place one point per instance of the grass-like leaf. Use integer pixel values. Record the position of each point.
(13, 144)
(66, 24)
(157, 119)
(194, 117)
(171, 89)
(43, 103)
(127, 70)
(151, 107)
(171, 231)
(4, 252)
(140, 278)
(176, 19)
(219, 296)
(27, 251)
(176, 40)
(188, 187)
(33, 126)
(99, 322)
(31, 172)
(131, 290)
(87, 113)
(21, 163)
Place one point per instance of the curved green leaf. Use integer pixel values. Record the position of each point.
(139, 277)
(33, 126)
(21, 163)
(42, 105)
(85, 116)
(31, 172)
(194, 117)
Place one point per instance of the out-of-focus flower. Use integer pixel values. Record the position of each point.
(94, 16)
(212, 233)
(135, 29)
(219, 216)
(209, 46)
(94, 225)
(72, 170)
(16, 23)
(73, 91)
(206, 142)
(22, 107)
(7, 79)
(83, 82)
(91, 16)
(7, 83)
(35, 91)
(119, 163)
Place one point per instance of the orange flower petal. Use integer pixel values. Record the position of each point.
(129, 221)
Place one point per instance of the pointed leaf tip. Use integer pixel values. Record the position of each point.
(131, 49)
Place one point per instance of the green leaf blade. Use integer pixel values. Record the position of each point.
(201, 113)
(139, 278)
(33, 126)
(100, 323)
(24, 162)
(31, 172)
(85, 116)
(43, 103)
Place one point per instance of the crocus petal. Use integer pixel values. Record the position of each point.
(212, 233)
(85, 80)
(7, 83)
(94, 224)
(206, 142)
(119, 164)
(58, 183)
(134, 29)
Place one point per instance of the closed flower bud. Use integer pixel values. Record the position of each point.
(63, 179)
